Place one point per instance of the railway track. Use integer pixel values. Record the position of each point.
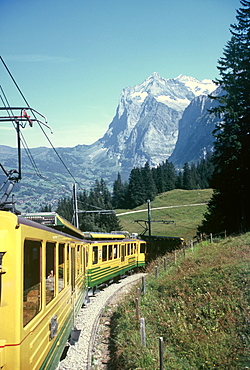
(80, 351)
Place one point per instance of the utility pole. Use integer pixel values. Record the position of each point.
(19, 149)
(149, 218)
(148, 222)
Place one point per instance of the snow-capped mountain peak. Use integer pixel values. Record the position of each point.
(176, 93)
(148, 116)
(197, 87)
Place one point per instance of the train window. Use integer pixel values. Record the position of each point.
(129, 249)
(104, 252)
(134, 247)
(115, 251)
(95, 255)
(142, 247)
(32, 280)
(61, 268)
(87, 257)
(50, 271)
(78, 256)
(110, 251)
(123, 249)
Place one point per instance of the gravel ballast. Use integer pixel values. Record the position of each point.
(80, 353)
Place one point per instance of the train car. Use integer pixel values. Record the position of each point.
(111, 256)
(159, 245)
(43, 285)
(47, 267)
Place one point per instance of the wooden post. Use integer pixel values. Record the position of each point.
(156, 271)
(138, 292)
(184, 250)
(143, 285)
(165, 263)
(192, 246)
(175, 259)
(211, 238)
(225, 234)
(161, 353)
(143, 332)
(137, 308)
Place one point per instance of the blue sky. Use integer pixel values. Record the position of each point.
(72, 58)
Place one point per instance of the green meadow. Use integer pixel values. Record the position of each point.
(184, 208)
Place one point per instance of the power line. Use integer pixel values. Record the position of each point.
(39, 123)
(58, 154)
(87, 204)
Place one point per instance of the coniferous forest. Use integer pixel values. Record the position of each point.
(143, 184)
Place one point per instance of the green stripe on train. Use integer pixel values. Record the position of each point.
(98, 275)
(53, 357)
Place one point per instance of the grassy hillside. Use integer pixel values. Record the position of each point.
(199, 306)
(186, 213)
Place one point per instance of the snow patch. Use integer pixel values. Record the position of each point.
(175, 103)
(139, 96)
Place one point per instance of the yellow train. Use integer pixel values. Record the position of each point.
(45, 275)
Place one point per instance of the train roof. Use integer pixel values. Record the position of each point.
(150, 238)
(102, 236)
(53, 220)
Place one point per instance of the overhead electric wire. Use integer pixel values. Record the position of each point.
(61, 160)
(58, 154)
(87, 204)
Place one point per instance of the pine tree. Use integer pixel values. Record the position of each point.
(188, 177)
(229, 207)
(204, 171)
(46, 208)
(170, 175)
(179, 180)
(119, 193)
(164, 177)
(136, 189)
(65, 208)
(148, 183)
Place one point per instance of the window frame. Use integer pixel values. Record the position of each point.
(32, 302)
(104, 253)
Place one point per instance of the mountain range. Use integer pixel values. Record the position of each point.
(156, 120)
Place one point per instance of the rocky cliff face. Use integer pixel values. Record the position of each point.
(195, 137)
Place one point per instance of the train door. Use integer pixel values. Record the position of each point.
(73, 269)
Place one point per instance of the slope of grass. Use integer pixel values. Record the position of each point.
(200, 306)
(186, 217)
